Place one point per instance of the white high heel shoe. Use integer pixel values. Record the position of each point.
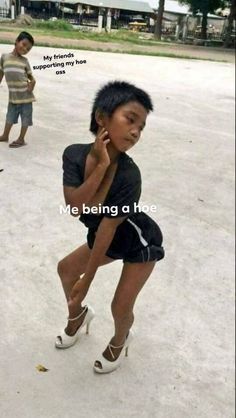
(102, 365)
(65, 341)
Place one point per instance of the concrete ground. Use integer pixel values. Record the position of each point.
(181, 362)
(179, 50)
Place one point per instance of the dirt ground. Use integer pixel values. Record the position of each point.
(218, 54)
(181, 362)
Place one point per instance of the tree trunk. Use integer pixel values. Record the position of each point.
(17, 7)
(204, 25)
(228, 39)
(158, 25)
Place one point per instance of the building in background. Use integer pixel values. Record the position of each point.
(117, 14)
(5, 4)
(5, 11)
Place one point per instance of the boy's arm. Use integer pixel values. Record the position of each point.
(1, 75)
(82, 195)
(77, 196)
(104, 237)
(31, 83)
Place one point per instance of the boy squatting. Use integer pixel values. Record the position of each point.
(102, 173)
(21, 83)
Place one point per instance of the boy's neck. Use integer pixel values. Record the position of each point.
(14, 52)
(113, 153)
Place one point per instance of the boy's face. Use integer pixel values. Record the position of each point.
(23, 47)
(125, 125)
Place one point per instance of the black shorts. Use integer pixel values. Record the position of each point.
(137, 240)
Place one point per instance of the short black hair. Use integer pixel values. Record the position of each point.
(115, 94)
(25, 35)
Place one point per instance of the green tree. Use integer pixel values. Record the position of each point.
(232, 16)
(158, 25)
(204, 7)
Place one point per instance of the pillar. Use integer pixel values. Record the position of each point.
(12, 12)
(100, 20)
(177, 30)
(109, 20)
(185, 28)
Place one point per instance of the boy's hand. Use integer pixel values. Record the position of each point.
(1, 75)
(31, 85)
(78, 293)
(99, 149)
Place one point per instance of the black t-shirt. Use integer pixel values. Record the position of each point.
(123, 194)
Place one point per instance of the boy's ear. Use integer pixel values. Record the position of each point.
(100, 118)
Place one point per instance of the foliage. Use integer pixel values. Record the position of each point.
(53, 25)
(204, 6)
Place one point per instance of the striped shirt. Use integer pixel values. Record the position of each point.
(17, 70)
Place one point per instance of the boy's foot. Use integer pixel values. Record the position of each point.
(3, 139)
(18, 143)
(72, 327)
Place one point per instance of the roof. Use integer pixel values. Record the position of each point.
(4, 4)
(171, 6)
(147, 6)
(48, 1)
(133, 5)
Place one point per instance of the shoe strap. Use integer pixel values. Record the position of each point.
(110, 346)
(79, 316)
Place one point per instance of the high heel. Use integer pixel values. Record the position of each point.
(102, 365)
(65, 341)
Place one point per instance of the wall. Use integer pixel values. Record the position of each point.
(5, 3)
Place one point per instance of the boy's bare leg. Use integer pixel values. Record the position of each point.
(5, 136)
(133, 278)
(70, 269)
(21, 139)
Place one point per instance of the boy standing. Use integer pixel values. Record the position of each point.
(20, 83)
